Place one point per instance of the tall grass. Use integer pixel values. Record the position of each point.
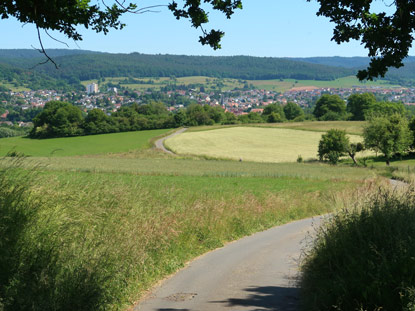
(96, 241)
(364, 257)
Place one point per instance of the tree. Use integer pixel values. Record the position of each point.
(58, 119)
(330, 107)
(388, 134)
(273, 113)
(333, 145)
(353, 149)
(412, 128)
(292, 111)
(359, 104)
(66, 15)
(97, 122)
(387, 37)
(386, 108)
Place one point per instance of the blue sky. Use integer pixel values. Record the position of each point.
(272, 28)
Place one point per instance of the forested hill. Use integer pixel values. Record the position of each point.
(92, 66)
(404, 75)
(11, 76)
(33, 53)
(79, 65)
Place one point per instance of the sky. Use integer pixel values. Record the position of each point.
(265, 28)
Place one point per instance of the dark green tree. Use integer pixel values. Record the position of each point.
(388, 134)
(359, 104)
(292, 111)
(412, 129)
(97, 122)
(386, 108)
(387, 37)
(230, 118)
(273, 113)
(330, 107)
(196, 115)
(58, 119)
(252, 117)
(333, 145)
(274, 117)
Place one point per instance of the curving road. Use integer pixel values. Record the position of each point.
(258, 272)
(160, 142)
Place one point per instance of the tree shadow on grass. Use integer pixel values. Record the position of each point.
(267, 298)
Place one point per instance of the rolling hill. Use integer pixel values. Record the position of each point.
(78, 65)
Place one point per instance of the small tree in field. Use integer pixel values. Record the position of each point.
(388, 134)
(353, 149)
(333, 145)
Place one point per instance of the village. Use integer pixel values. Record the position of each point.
(237, 101)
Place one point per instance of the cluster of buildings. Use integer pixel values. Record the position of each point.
(235, 101)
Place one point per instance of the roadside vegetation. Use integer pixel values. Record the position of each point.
(95, 240)
(363, 258)
(84, 228)
(90, 233)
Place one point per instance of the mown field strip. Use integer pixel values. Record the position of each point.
(250, 144)
(83, 145)
(194, 167)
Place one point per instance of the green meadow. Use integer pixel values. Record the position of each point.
(143, 84)
(96, 224)
(278, 85)
(77, 146)
(282, 85)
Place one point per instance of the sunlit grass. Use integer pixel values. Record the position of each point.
(282, 85)
(83, 145)
(200, 167)
(250, 144)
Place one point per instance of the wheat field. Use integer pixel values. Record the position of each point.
(250, 144)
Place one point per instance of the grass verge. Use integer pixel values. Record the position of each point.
(363, 258)
(96, 241)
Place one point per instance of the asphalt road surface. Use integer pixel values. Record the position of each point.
(255, 273)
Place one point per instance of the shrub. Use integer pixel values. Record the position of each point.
(333, 145)
(363, 258)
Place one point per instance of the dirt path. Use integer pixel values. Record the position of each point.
(258, 272)
(160, 142)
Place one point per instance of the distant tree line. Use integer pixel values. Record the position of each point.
(61, 119)
(13, 130)
(388, 134)
(359, 107)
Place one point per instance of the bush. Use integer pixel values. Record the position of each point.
(333, 145)
(363, 259)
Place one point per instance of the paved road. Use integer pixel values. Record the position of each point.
(398, 185)
(160, 142)
(258, 272)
